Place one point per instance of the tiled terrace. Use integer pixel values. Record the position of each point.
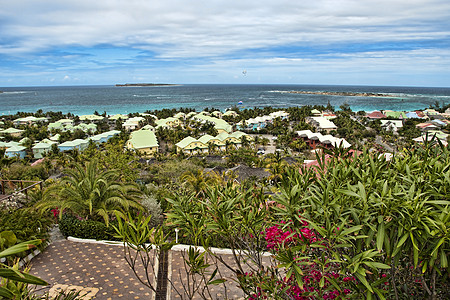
(101, 272)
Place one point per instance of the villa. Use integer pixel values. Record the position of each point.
(91, 118)
(261, 122)
(219, 124)
(190, 145)
(29, 120)
(143, 142)
(12, 131)
(72, 145)
(16, 151)
(170, 122)
(41, 148)
(117, 117)
(391, 125)
(230, 113)
(321, 124)
(376, 115)
(132, 123)
(314, 139)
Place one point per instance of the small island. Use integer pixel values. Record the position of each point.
(144, 84)
(350, 94)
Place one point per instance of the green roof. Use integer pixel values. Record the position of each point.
(239, 135)
(218, 123)
(64, 121)
(143, 139)
(230, 113)
(186, 141)
(223, 136)
(395, 114)
(15, 149)
(90, 118)
(118, 116)
(43, 145)
(180, 115)
(12, 130)
(205, 139)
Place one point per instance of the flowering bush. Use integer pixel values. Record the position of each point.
(321, 278)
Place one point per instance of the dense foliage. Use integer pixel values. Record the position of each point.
(360, 225)
(85, 229)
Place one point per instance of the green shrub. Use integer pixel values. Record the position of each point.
(26, 224)
(85, 229)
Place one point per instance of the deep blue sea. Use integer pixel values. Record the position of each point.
(81, 100)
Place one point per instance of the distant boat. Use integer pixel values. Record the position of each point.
(240, 103)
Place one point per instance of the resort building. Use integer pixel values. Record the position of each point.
(13, 132)
(132, 123)
(190, 145)
(375, 115)
(259, 123)
(219, 124)
(170, 122)
(394, 114)
(230, 113)
(72, 145)
(180, 115)
(321, 124)
(104, 137)
(314, 139)
(143, 142)
(391, 125)
(29, 120)
(91, 118)
(117, 117)
(16, 151)
(41, 148)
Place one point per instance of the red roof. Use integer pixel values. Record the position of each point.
(420, 113)
(376, 115)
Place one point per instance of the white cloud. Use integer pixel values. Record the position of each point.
(175, 29)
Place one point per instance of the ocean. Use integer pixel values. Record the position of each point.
(82, 100)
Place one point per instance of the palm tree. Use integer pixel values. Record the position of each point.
(90, 193)
(198, 181)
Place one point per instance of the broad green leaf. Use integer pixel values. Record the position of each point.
(20, 248)
(363, 280)
(21, 277)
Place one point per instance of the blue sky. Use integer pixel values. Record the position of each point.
(365, 42)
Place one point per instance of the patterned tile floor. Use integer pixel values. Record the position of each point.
(101, 272)
(98, 269)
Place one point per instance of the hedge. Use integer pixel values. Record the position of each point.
(85, 229)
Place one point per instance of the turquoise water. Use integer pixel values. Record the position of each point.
(87, 99)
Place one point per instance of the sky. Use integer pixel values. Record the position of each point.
(344, 42)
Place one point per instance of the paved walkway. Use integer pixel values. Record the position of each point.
(101, 272)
